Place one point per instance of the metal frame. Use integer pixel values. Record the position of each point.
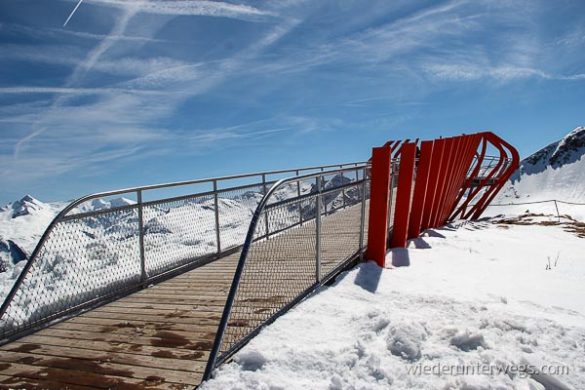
(215, 358)
(69, 214)
(447, 170)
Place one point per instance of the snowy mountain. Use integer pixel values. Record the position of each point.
(556, 171)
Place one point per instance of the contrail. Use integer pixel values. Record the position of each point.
(72, 12)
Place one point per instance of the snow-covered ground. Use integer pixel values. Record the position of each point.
(574, 211)
(482, 297)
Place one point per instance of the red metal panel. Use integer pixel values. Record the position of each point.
(438, 148)
(443, 172)
(378, 221)
(466, 164)
(480, 156)
(403, 195)
(420, 189)
(461, 144)
(450, 162)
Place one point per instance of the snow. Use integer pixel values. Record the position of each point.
(482, 295)
(22, 224)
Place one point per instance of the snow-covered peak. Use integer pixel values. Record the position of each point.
(570, 148)
(566, 151)
(103, 204)
(26, 206)
(556, 171)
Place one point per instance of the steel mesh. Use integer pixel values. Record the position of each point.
(236, 208)
(277, 270)
(178, 232)
(83, 258)
(280, 269)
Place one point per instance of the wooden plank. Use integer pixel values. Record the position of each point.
(166, 306)
(97, 331)
(165, 312)
(161, 339)
(33, 376)
(204, 323)
(182, 363)
(14, 382)
(102, 365)
(35, 341)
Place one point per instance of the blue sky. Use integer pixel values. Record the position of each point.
(139, 92)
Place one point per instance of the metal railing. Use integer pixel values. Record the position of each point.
(325, 230)
(88, 256)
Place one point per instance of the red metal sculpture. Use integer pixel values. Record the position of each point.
(444, 179)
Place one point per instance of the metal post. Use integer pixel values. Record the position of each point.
(363, 216)
(299, 195)
(318, 232)
(141, 237)
(393, 172)
(403, 197)
(558, 214)
(217, 231)
(266, 212)
(378, 216)
(343, 189)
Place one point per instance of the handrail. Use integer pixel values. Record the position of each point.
(250, 239)
(64, 215)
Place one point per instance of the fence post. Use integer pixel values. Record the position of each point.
(318, 232)
(343, 189)
(266, 213)
(217, 232)
(299, 195)
(363, 215)
(558, 214)
(141, 237)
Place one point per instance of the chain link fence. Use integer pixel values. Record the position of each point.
(302, 234)
(96, 251)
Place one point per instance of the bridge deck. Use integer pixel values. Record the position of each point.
(157, 338)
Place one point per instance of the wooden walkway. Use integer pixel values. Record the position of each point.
(157, 338)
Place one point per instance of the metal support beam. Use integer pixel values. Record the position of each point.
(403, 195)
(378, 222)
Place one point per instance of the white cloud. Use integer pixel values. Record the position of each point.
(190, 8)
(32, 90)
(468, 72)
(58, 33)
